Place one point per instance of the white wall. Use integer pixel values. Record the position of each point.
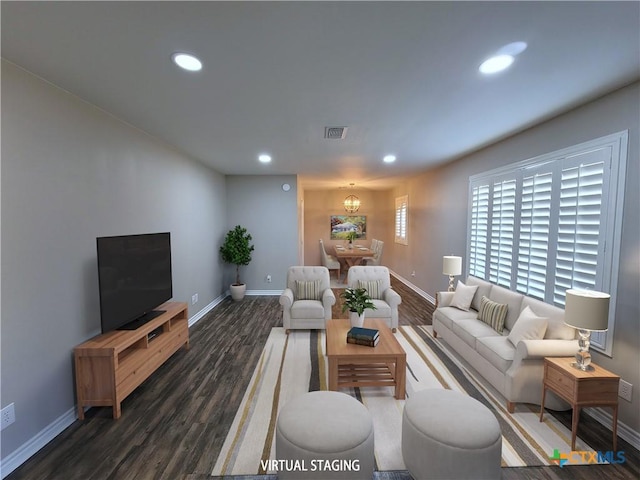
(71, 173)
(438, 216)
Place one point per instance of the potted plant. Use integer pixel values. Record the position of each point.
(236, 249)
(356, 300)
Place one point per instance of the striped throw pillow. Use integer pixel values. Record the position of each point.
(372, 287)
(493, 313)
(308, 290)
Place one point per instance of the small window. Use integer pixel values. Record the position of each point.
(402, 213)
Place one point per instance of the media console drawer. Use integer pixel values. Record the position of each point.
(111, 366)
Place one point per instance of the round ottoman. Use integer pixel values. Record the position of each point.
(447, 435)
(324, 435)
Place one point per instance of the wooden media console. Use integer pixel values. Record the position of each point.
(111, 366)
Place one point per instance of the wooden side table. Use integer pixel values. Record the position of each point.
(595, 388)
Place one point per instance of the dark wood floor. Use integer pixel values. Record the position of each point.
(174, 424)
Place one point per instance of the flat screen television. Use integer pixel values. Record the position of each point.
(134, 276)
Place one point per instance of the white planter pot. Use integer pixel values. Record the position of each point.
(238, 291)
(355, 319)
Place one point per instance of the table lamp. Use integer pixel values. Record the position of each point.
(588, 311)
(451, 266)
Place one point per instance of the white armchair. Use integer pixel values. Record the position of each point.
(387, 304)
(308, 298)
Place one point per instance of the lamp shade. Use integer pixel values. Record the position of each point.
(451, 265)
(587, 310)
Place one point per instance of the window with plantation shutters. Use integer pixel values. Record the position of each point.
(552, 223)
(402, 207)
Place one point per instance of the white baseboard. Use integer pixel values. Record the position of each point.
(265, 292)
(31, 447)
(420, 292)
(605, 418)
(195, 318)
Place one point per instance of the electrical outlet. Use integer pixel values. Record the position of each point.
(413, 274)
(625, 390)
(8, 416)
(194, 299)
(268, 278)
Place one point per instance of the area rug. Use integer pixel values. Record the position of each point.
(293, 364)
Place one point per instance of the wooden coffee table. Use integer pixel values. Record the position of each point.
(384, 365)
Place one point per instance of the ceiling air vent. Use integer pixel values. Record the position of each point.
(336, 133)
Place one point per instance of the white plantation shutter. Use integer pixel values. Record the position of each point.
(552, 223)
(402, 212)
(502, 231)
(533, 247)
(579, 241)
(479, 231)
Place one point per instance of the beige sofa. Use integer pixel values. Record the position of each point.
(516, 371)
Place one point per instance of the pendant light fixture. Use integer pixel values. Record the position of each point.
(352, 202)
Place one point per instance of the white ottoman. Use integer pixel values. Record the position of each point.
(449, 435)
(324, 435)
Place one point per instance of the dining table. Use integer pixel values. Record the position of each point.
(354, 255)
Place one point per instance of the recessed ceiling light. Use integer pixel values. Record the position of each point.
(187, 61)
(503, 58)
(389, 158)
(264, 158)
(496, 64)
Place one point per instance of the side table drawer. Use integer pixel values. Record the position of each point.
(559, 382)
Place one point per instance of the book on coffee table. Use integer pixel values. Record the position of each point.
(366, 343)
(360, 333)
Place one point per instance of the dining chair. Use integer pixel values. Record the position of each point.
(329, 261)
(377, 254)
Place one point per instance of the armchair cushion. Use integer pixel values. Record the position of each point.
(309, 290)
(372, 287)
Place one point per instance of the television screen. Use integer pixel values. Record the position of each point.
(134, 274)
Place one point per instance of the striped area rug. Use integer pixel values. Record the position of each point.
(295, 364)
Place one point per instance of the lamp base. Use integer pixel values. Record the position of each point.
(451, 287)
(583, 357)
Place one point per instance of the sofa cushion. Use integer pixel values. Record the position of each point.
(512, 299)
(493, 314)
(308, 290)
(463, 296)
(484, 289)
(528, 327)
(470, 330)
(307, 309)
(447, 315)
(556, 328)
(373, 288)
(498, 351)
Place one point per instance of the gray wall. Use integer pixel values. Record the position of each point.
(258, 203)
(71, 173)
(438, 217)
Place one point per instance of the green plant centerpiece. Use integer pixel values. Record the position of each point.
(351, 236)
(236, 249)
(356, 300)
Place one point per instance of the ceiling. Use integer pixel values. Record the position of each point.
(402, 76)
